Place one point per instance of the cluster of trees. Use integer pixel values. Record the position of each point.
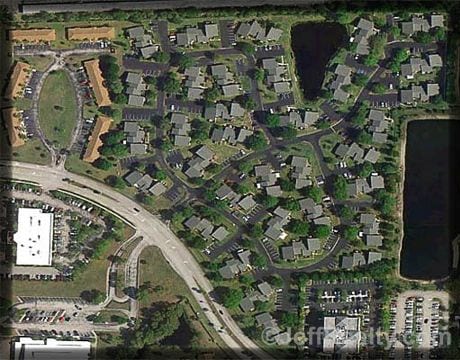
(158, 325)
(111, 73)
(400, 56)
(273, 122)
(113, 145)
(256, 141)
(437, 34)
(200, 130)
(359, 118)
(339, 186)
(386, 202)
(170, 83)
(377, 48)
(93, 296)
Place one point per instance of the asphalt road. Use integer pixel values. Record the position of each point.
(154, 232)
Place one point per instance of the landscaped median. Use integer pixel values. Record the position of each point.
(58, 108)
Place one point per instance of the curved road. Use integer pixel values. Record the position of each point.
(154, 232)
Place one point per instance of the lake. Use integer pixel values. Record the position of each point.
(313, 45)
(431, 198)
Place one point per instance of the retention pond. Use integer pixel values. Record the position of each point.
(431, 198)
(313, 45)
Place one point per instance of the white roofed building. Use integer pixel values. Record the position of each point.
(25, 348)
(34, 238)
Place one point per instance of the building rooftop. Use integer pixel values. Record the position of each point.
(97, 82)
(92, 150)
(26, 348)
(91, 33)
(32, 35)
(18, 79)
(34, 238)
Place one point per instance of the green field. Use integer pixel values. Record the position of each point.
(58, 108)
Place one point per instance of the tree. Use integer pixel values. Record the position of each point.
(350, 233)
(272, 120)
(365, 169)
(114, 150)
(439, 34)
(231, 298)
(93, 296)
(160, 175)
(299, 227)
(256, 141)
(171, 84)
(379, 88)
(256, 231)
(285, 132)
(247, 279)
(113, 137)
(211, 94)
(259, 261)
(269, 201)
(423, 37)
(200, 130)
(286, 184)
(359, 119)
(243, 189)
(322, 231)
(245, 167)
(116, 182)
(340, 188)
(364, 138)
(161, 57)
(395, 31)
(246, 48)
(247, 102)
(159, 325)
(346, 212)
(386, 202)
(289, 319)
(103, 164)
(315, 193)
(258, 74)
(185, 61)
(276, 281)
(292, 204)
(196, 242)
(360, 80)
(323, 124)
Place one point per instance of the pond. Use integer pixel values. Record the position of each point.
(431, 198)
(313, 45)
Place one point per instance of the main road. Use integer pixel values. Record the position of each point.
(154, 231)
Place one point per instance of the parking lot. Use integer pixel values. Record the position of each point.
(416, 322)
(268, 51)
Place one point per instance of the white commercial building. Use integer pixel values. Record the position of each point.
(34, 237)
(341, 335)
(26, 348)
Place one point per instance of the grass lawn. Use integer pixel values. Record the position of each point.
(304, 149)
(40, 62)
(93, 277)
(327, 144)
(33, 151)
(117, 305)
(76, 165)
(58, 108)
